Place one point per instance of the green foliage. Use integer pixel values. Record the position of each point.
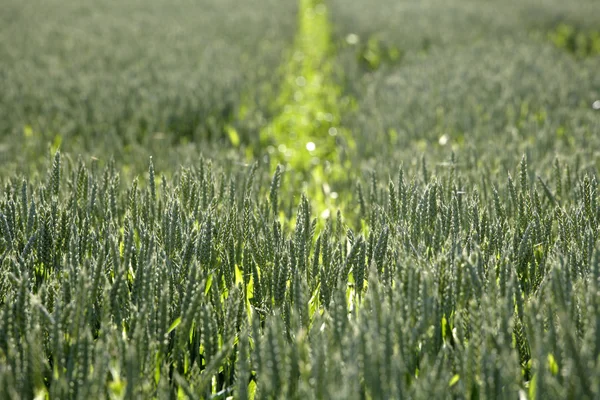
(447, 298)
(127, 79)
(374, 52)
(576, 41)
(440, 240)
(306, 135)
(474, 78)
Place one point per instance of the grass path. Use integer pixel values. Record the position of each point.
(306, 134)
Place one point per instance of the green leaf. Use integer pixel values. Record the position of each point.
(552, 364)
(174, 325)
(208, 285)
(454, 380)
(533, 387)
(234, 137)
(251, 390)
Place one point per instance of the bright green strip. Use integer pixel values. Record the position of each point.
(305, 135)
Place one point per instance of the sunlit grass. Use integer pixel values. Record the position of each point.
(306, 136)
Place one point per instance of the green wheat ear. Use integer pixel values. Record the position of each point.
(55, 175)
(273, 194)
(458, 271)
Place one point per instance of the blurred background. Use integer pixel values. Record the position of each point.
(486, 80)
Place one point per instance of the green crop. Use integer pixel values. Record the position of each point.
(125, 292)
(322, 199)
